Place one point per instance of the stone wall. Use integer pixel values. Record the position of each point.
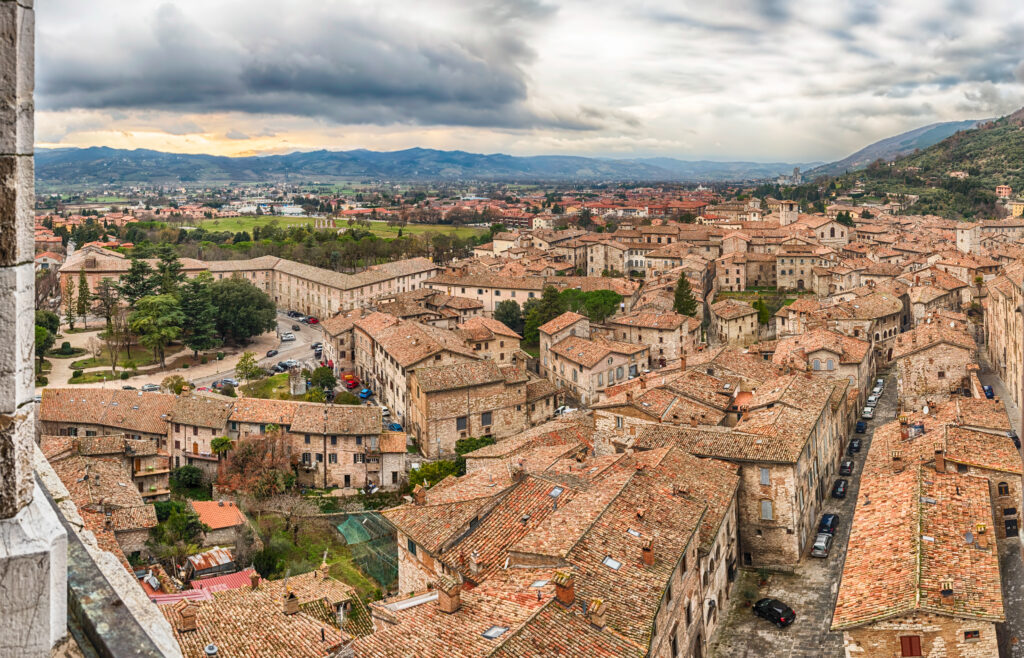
(929, 376)
(939, 635)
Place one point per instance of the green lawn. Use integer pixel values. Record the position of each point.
(247, 222)
(94, 377)
(140, 355)
(270, 388)
(75, 352)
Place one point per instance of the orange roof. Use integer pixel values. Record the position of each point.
(218, 514)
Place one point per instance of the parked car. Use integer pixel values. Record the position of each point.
(880, 383)
(564, 409)
(296, 327)
(352, 384)
(839, 488)
(278, 368)
(150, 388)
(366, 394)
(394, 427)
(304, 320)
(1012, 435)
(829, 524)
(294, 314)
(868, 413)
(872, 401)
(854, 446)
(846, 467)
(384, 411)
(775, 611)
(230, 380)
(127, 387)
(876, 391)
(989, 393)
(317, 345)
(822, 545)
(202, 388)
(271, 353)
(312, 320)
(861, 427)
(290, 363)
(288, 337)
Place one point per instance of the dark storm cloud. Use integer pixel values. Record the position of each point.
(345, 67)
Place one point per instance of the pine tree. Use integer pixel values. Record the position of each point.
(685, 303)
(84, 296)
(168, 271)
(69, 303)
(200, 327)
(137, 282)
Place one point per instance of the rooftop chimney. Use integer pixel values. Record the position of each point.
(682, 362)
(597, 610)
(419, 494)
(647, 553)
(210, 650)
(291, 603)
(254, 580)
(474, 563)
(940, 462)
(897, 461)
(565, 588)
(629, 396)
(187, 618)
(448, 595)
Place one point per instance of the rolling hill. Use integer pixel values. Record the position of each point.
(102, 165)
(893, 147)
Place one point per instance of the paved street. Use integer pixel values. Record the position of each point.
(811, 587)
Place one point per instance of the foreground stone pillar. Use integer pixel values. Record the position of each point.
(33, 544)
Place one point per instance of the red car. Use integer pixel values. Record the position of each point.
(352, 384)
(312, 320)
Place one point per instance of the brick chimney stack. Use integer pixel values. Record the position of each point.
(565, 588)
(254, 580)
(940, 462)
(597, 611)
(448, 595)
(419, 495)
(647, 553)
(291, 604)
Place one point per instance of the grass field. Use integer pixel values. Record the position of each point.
(381, 229)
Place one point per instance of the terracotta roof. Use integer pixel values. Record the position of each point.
(559, 631)
(588, 352)
(133, 411)
(447, 378)
(257, 410)
(481, 328)
(313, 418)
(730, 309)
(563, 321)
(201, 410)
(218, 514)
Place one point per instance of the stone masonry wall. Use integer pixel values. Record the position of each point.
(940, 636)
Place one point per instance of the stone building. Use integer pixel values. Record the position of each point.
(933, 362)
(551, 332)
(1004, 329)
(584, 367)
(473, 400)
(733, 323)
(195, 420)
(223, 517)
(340, 446)
(492, 340)
(668, 334)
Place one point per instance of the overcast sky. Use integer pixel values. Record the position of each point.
(768, 80)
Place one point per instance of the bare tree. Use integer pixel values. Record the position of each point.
(117, 337)
(95, 347)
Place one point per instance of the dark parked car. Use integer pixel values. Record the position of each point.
(854, 446)
(317, 345)
(829, 523)
(127, 387)
(278, 368)
(839, 488)
(296, 327)
(989, 393)
(1013, 437)
(271, 352)
(775, 611)
(294, 314)
(394, 427)
(846, 467)
(861, 427)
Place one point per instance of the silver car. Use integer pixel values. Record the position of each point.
(868, 413)
(822, 545)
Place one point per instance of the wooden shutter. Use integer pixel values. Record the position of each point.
(910, 645)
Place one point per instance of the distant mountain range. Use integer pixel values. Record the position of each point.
(102, 165)
(893, 147)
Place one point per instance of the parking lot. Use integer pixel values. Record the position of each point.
(810, 588)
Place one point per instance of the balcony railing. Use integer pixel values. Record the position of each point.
(152, 493)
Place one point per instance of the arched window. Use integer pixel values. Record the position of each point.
(1004, 489)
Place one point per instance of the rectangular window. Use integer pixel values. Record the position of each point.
(195, 431)
(972, 635)
(411, 546)
(307, 439)
(485, 418)
(461, 423)
(394, 477)
(305, 458)
(319, 456)
(359, 440)
(766, 477)
(348, 481)
(334, 440)
(618, 422)
(766, 510)
(332, 458)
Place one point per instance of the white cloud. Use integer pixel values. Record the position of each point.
(795, 80)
